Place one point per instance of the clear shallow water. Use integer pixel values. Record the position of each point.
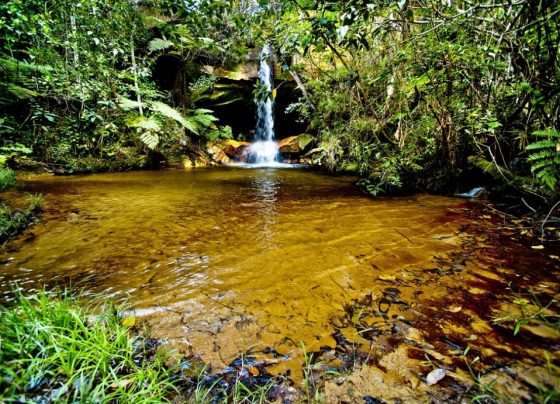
(224, 261)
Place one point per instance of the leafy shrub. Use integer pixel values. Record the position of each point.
(7, 178)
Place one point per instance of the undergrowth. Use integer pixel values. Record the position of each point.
(52, 350)
(7, 178)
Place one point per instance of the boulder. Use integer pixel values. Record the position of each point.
(221, 157)
(289, 145)
(232, 147)
(226, 151)
(295, 144)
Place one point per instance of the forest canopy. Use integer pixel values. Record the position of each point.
(410, 94)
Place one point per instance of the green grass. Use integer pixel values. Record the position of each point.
(51, 349)
(36, 203)
(7, 178)
(13, 222)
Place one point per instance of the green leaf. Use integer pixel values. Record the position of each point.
(150, 139)
(518, 325)
(167, 111)
(142, 122)
(159, 44)
(129, 105)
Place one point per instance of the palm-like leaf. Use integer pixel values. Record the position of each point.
(150, 139)
(159, 44)
(128, 104)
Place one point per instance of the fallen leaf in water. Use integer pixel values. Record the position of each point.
(537, 247)
(254, 371)
(387, 277)
(435, 376)
(129, 321)
(454, 309)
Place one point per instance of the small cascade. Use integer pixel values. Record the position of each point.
(264, 150)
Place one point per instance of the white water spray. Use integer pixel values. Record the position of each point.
(265, 150)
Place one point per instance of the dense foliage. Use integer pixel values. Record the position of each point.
(76, 85)
(410, 93)
(420, 91)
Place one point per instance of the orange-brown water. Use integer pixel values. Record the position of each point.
(238, 260)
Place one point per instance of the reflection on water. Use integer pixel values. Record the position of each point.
(236, 259)
(265, 187)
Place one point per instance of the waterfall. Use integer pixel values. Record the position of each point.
(264, 150)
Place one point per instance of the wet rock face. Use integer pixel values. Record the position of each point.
(293, 149)
(289, 145)
(295, 146)
(227, 151)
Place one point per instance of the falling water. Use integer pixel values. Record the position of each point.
(264, 150)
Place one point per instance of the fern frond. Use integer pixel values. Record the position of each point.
(167, 111)
(541, 165)
(548, 133)
(19, 67)
(200, 111)
(543, 154)
(192, 124)
(159, 44)
(150, 139)
(147, 123)
(542, 144)
(545, 157)
(131, 119)
(19, 92)
(18, 80)
(128, 104)
(205, 120)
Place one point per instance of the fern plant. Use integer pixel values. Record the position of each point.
(18, 80)
(149, 127)
(159, 44)
(545, 157)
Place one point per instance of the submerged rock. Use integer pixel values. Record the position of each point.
(435, 376)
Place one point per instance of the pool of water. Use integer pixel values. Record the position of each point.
(232, 260)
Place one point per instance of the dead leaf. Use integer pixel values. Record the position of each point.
(388, 278)
(121, 383)
(128, 321)
(254, 371)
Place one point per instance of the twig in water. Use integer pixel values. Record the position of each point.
(546, 219)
